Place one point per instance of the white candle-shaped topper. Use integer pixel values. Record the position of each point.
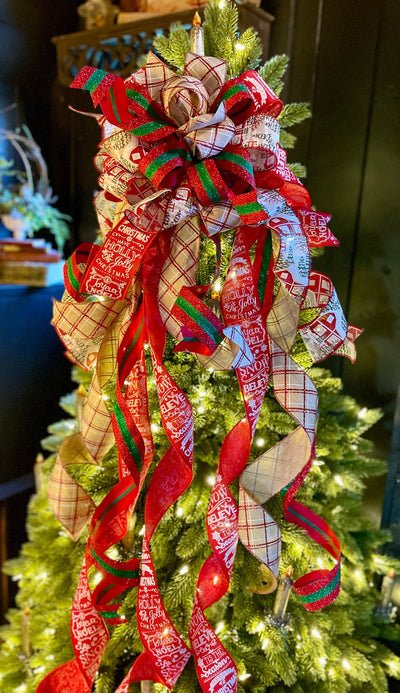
(25, 640)
(37, 471)
(197, 36)
(282, 595)
(387, 588)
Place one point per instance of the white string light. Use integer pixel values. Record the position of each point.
(346, 664)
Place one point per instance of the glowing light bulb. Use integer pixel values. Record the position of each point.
(165, 632)
(220, 627)
(362, 413)
(346, 664)
(154, 427)
(105, 397)
(179, 512)
(97, 578)
(318, 463)
(259, 627)
(142, 531)
(260, 442)
(215, 580)
(210, 480)
(201, 409)
(338, 480)
(244, 676)
(322, 661)
(184, 570)
(239, 46)
(218, 286)
(265, 643)
(316, 634)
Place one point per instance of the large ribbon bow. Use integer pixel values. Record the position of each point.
(182, 155)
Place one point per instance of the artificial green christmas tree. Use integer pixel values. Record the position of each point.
(104, 519)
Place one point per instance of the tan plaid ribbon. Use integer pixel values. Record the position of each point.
(69, 502)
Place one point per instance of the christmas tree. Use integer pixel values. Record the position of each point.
(132, 501)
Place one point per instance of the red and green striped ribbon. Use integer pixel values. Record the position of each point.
(152, 124)
(206, 182)
(106, 90)
(248, 208)
(199, 321)
(235, 160)
(239, 103)
(165, 165)
(130, 109)
(106, 528)
(132, 345)
(128, 438)
(264, 277)
(73, 274)
(318, 588)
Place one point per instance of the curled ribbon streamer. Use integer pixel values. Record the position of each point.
(181, 156)
(166, 653)
(214, 665)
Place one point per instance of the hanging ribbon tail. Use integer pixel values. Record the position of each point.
(69, 502)
(67, 678)
(106, 90)
(141, 669)
(319, 588)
